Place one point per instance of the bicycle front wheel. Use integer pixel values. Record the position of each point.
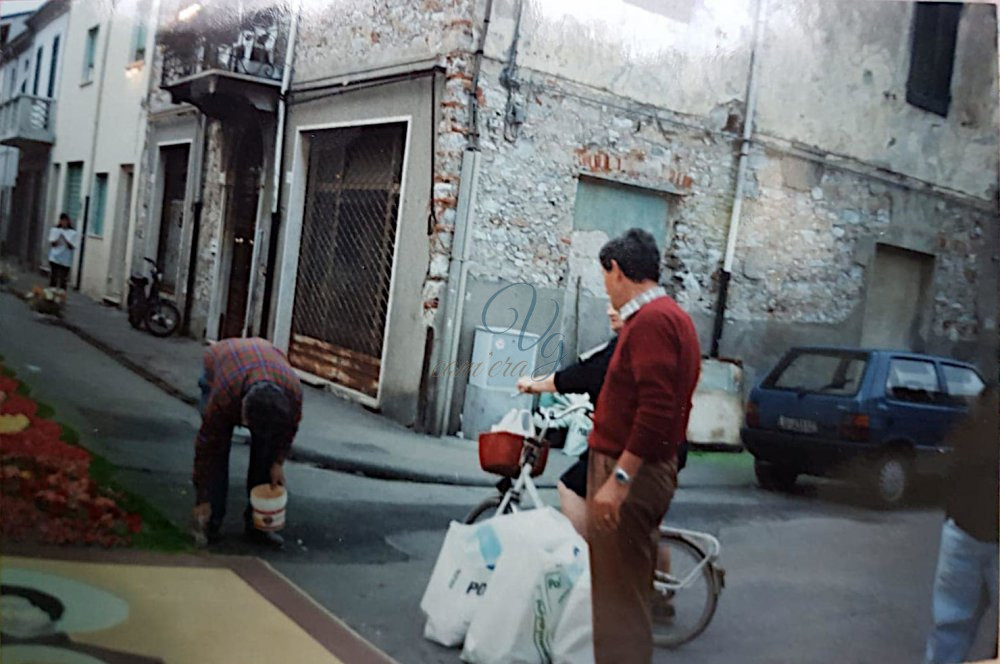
(488, 508)
(682, 613)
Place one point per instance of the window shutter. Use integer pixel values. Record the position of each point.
(932, 55)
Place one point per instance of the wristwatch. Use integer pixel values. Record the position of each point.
(622, 477)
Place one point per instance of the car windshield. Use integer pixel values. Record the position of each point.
(826, 372)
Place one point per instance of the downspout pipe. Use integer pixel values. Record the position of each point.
(93, 146)
(461, 245)
(741, 169)
(278, 166)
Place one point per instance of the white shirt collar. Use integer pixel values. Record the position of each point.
(640, 300)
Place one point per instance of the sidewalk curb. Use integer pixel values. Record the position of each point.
(301, 455)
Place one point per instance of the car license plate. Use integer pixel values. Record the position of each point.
(797, 425)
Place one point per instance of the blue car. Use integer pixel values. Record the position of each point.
(880, 415)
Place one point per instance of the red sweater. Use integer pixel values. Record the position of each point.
(646, 399)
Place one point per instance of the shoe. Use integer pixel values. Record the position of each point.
(264, 538)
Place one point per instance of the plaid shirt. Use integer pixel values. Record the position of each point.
(232, 366)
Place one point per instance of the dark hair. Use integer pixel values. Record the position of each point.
(43, 601)
(67, 218)
(636, 254)
(268, 413)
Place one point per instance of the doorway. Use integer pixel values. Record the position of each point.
(173, 166)
(346, 259)
(241, 224)
(897, 292)
(119, 241)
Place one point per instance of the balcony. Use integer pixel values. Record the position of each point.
(226, 61)
(27, 122)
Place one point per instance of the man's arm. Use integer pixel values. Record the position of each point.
(653, 357)
(211, 445)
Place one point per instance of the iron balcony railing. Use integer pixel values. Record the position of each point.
(27, 119)
(251, 43)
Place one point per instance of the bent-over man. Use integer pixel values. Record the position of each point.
(248, 382)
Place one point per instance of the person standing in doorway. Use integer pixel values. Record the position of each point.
(248, 382)
(62, 244)
(639, 425)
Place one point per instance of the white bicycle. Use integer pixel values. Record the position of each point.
(688, 580)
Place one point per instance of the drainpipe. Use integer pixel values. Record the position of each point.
(279, 164)
(93, 145)
(734, 219)
(458, 274)
(461, 246)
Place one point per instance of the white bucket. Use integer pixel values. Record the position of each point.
(268, 507)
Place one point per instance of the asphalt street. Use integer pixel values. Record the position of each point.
(816, 576)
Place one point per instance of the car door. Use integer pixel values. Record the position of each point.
(915, 405)
(961, 383)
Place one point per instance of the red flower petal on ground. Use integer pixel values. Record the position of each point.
(134, 522)
(16, 404)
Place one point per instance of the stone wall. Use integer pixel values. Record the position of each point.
(339, 37)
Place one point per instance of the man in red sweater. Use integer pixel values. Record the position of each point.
(639, 423)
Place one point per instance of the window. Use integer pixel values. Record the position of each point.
(90, 54)
(833, 373)
(53, 64)
(71, 193)
(38, 71)
(139, 32)
(24, 76)
(99, 204)
(602, 205)
(932, 55)
(913, 380)
(961, 381)
(4, 33)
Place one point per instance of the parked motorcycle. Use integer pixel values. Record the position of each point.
(145, 307)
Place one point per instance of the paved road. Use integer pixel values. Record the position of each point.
(812, 577)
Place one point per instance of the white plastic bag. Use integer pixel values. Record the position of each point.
(465, 565)
(458, 581)
(517, 619)
(516, 421)
(573, 642)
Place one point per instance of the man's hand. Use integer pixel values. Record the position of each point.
(277, 475)
(524, 384)
(607, 505)
(202, 513)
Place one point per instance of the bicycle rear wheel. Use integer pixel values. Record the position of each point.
(162, 319)
(488, 509)
(681, 615)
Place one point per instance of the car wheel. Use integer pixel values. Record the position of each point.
(891, 478)
(774, 477)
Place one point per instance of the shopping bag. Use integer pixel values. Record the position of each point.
(459, 579)
(516, 621)
(573, 642)
(466, 562)
(516, 421)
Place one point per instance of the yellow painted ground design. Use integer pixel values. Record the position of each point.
(186, 614)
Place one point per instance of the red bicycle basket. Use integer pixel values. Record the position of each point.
(500, 454)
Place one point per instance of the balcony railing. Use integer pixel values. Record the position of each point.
(26, 120)
(248, 43)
